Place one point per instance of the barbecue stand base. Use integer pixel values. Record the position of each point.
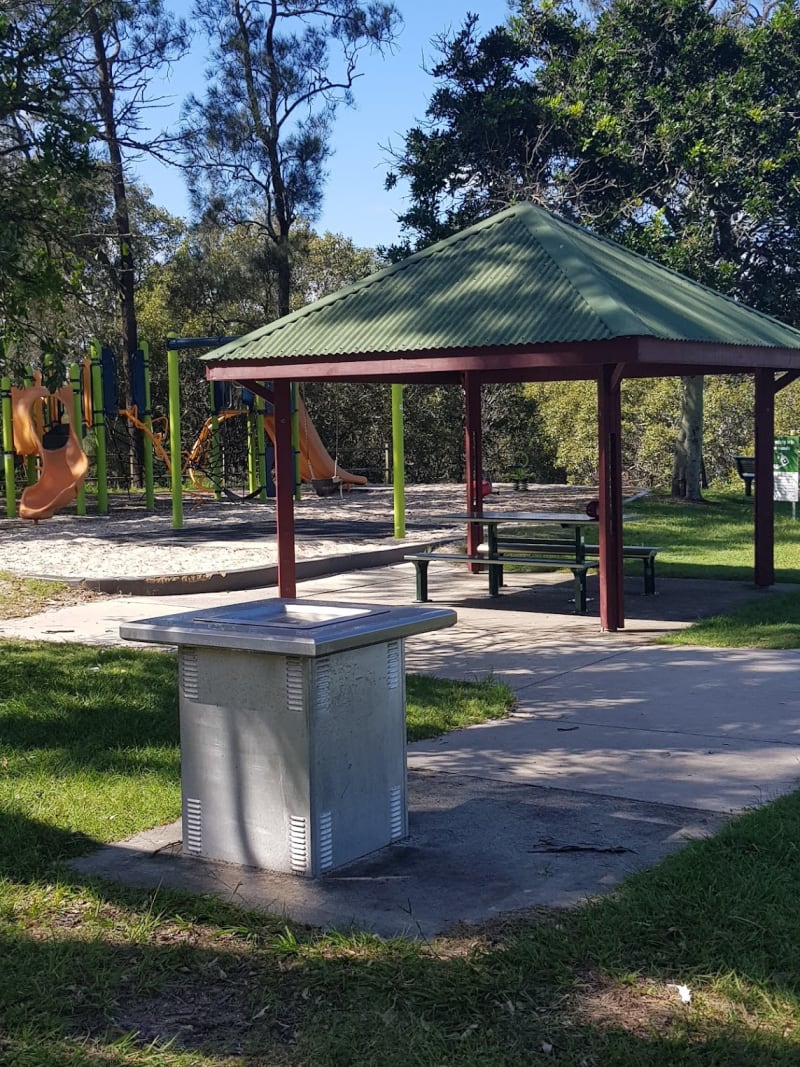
(292, 721)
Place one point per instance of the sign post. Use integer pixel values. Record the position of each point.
(785, 470)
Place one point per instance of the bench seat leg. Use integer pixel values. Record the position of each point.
(580, 591)
(421, 568)
(495, 579)
(649, 576)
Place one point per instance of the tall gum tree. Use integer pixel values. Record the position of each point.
(258, 141)
(112, 60)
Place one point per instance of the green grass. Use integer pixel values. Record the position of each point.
(95, 973)
(712, 540)
(434, 706)
(88, 966)
(770, 623)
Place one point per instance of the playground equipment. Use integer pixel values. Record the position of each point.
(62, 462)
(314, 464)
(317, 466)
(59, 461)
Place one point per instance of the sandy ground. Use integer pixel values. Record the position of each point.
(221, 535)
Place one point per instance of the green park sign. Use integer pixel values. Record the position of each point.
(785, 468)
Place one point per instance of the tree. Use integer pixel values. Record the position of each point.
(677, 134)
(215, 284)
(488, 139)
(258, 142)
(43, 161)
(690, 119)
(110, 59)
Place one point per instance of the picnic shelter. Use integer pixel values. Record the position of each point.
(523, 296)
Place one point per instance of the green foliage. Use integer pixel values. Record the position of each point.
(486, 141)
(258, 141)
(44, 161)
(221, 282)
(686, 141)
(671, 126)
(649, 420)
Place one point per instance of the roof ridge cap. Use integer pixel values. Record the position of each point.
(683, 278)
(591, 284)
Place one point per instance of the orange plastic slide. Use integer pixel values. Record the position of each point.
(63, 468)
(315, 460)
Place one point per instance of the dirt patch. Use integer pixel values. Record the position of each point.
(218, 1012)
(639, 1008)
(20, 597)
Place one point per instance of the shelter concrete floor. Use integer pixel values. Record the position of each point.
(617, 753)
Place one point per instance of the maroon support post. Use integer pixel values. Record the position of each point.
(609, 421)
(763, 490)
(473, 448)
(284, 489)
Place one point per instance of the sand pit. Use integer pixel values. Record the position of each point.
(225, 536)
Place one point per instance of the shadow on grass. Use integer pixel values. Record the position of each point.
(85, 700)
(94, 962)
(87, 963)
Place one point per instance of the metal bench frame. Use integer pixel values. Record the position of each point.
(647, 554)
(495, 571)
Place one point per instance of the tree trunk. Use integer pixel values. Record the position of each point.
(687, 470)
(283, 270)
(125, 277)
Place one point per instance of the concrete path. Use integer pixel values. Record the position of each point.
(617, 752)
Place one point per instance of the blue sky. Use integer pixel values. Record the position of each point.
(390, 97)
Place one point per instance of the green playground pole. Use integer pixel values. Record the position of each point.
(76, 418)
(398, 462)
(252, 450)
(8, 448)
(31, 474)
(99, 427)
(175, 473)
(147, 419)
(216, 459)
(261, 439)
(298, 479)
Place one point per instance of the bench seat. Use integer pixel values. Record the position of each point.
(564, 546)
(647, 554)
(495, 567)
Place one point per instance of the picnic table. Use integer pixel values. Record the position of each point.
(560, 543)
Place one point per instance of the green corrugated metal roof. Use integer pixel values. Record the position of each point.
(521, 277)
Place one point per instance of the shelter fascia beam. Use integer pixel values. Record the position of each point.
(473, 449)
(763, 492)
(451, 364)
(725, 358)
(609, 424)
